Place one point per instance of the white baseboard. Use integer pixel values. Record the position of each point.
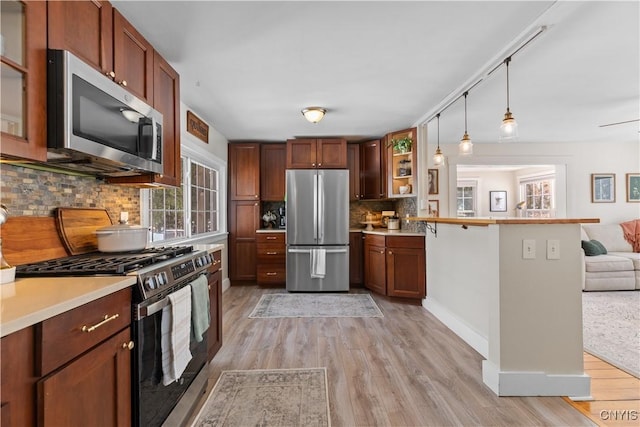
(535, 383)
(226, 284)
(451, 321)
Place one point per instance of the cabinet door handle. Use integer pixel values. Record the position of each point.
(319, 164)
(271, 238)
(390, 253)
(255, 195)
(123, 83)
(111, 74)
(128, 345)
(381, 252)
(272, 253)
(107, 319)
(272, 274)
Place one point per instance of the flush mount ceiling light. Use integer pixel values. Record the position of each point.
(465, 148)
(509, 127)
(313, 114)
(438, 157)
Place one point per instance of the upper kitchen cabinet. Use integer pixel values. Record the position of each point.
(353, 164)
(273, 159)
(372, 170)
(244, 171)
(166, 99)
(84, 28)
(305, 153)
(101, 36)
(402, 162)
(23, 79)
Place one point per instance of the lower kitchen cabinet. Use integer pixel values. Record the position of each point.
(395, 265)
(214, 334)
(271, 256)
(18, 397)
(94, 389)
(356, 239)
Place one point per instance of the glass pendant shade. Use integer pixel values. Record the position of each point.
(313, 114)
(438, 157)
(465, 148)
(509, 128)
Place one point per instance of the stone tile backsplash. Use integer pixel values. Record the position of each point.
(31, 192)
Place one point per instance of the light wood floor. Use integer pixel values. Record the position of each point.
(616, 395)
(406, 369)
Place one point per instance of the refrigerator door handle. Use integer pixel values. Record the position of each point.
(321, 217)
(315, 207)
(308, 251)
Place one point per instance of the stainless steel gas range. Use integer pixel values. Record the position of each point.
(160, 272)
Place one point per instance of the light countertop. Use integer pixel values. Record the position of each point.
(209, 247)
(271, 230)
(483, 222)
(28, 301)
(386, 232)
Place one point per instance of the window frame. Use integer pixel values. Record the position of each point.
(474, 183)
(523, 181)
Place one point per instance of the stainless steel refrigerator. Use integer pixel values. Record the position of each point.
(317, 205)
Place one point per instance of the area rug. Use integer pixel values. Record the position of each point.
(279, 397)
(315, 305)
(612, 328)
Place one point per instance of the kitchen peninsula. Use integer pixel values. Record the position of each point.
(511, 288)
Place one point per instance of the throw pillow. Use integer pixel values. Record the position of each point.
(593, 248)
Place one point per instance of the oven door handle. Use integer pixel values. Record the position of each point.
(155, 307)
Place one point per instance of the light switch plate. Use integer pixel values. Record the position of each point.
(553, 249)
(528, 249)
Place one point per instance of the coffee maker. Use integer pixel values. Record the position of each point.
(281, 214)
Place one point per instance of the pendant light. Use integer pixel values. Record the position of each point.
(509, 127)
(465, 148)
(438, 157)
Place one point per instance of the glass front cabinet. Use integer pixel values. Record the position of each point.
(23, 44)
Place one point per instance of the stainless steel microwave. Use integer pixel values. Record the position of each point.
(95, 125)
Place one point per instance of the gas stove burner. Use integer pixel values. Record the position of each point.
(99, 263)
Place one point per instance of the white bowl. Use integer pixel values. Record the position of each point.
(404, 189)
(7, 275)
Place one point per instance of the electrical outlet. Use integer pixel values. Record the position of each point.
(124, 217)
(553, 249)
(528, 249)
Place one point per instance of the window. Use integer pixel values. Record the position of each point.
(539, 196)
(466, 198)
(196, 202)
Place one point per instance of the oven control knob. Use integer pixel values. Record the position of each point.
(198, 262)
(160, 279)
(165, 278)
(150, 283)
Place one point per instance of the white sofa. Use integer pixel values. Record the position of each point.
(617, 270)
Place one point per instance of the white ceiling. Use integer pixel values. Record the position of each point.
(248, 68)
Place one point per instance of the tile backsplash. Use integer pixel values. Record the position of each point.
(402, 206)
(31, 192)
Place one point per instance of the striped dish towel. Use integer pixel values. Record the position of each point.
(176, 331)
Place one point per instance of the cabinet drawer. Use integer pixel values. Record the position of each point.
(67, 335)
(217, 261)
(374, 239)
(271, 253)
(272, 273)
(411, 242)
(270, 237)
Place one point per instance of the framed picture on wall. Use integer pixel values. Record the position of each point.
(633, 187)
(498, 201)
(433, 181)
(434, 208)
(603, 188)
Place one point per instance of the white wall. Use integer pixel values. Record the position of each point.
(581, 161)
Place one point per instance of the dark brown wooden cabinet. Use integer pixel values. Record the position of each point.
(271, 256)
(356, 244)
(401, 165)
(244, 171)
(395, 265)
(84, 28)
(214, 333)
(273, 159)
(306, 153)
(24, 78)
(243, 221)
(18, 398)
(94, 389)
(353, 164)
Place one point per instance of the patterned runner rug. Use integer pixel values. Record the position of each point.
(612, 328)
(315, 305)
(279, 397)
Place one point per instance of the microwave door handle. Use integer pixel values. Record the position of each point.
(142, 147)
(154, 136)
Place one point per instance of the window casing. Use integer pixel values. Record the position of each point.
(538, 193)
(196, 203)
(466, 198)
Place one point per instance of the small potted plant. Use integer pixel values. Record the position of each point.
(402, 145)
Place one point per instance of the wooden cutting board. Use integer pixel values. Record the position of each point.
(27, 239)
(77, 227)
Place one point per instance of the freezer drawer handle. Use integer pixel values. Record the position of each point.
(308, 251)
